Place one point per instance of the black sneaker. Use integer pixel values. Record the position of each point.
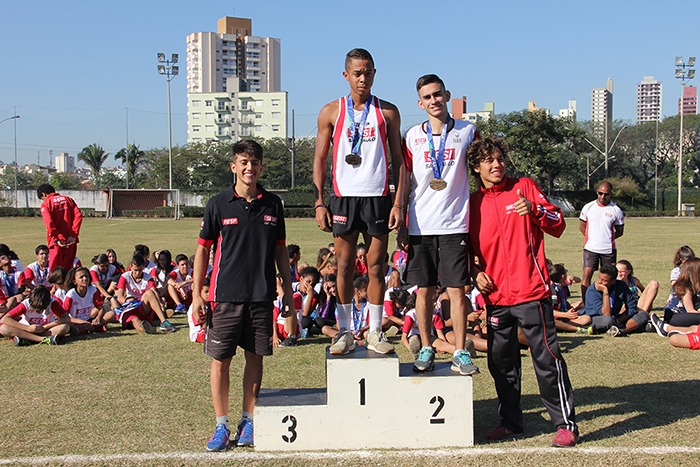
(21, 342)
(290, 341)
(658, 324)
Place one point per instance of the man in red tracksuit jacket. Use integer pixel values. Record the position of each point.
(508, 218)
(62, 218)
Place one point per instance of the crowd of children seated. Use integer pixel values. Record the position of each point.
(40, 305)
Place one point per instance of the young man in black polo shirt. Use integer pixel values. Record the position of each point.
(247, 225)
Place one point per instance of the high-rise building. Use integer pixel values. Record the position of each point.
(65, 163)
(230, 116)
(233, 52)
(690, 100)
(648, 100)
(459, 110)
(602, 107)
(569, 112)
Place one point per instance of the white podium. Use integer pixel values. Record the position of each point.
(371, 401)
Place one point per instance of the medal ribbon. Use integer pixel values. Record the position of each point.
(42, 278)
(357, 132)
(438, 161)
(10, 284)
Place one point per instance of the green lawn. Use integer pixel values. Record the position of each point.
(130, 393)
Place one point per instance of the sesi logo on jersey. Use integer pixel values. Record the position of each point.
(269, 220)
(449, 155)
(421, 140)
(340, 219)
(230, 221)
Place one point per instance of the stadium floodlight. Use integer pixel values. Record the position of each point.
(169, 71)
(684, 72)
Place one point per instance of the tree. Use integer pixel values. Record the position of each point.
(94, 156)
(65, 181)
(134, 159)
(7, 179)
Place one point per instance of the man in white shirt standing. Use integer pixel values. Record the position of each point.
(601, 222)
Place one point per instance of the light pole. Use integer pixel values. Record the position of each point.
(604, 153)
(14, 117)
(169, 70)
(684, 72)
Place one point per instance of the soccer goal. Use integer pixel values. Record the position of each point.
(164, 204)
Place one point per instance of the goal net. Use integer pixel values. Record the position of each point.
(164, 204)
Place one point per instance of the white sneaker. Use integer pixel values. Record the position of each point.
(343, 343)
(376, 341)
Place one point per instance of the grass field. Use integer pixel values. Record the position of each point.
(133, 399)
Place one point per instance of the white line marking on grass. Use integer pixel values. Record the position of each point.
(257, 456)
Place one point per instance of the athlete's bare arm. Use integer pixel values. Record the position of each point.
(393, 129)
(326, 119)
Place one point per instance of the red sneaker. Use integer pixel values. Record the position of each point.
(499, 433)
(565, 438)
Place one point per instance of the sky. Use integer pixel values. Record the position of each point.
(73, 68)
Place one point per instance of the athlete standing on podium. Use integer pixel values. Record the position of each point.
(359, 126)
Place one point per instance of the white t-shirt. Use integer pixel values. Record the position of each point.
(600, 226)
(439, 212)
(80, 307)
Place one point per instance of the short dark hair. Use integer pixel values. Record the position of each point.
(358, 54)
(360, 283)
(180, 257)
(310, 271)
(249, 148)
(44, 189)
(100, 259)
(39, 298)
(141, 249)
(429, 79)
(557, 272)
(329, 278)
(609, 269)
(40, 248)
(58, 276)
(293, 249)
(482, 149)
(138, 260)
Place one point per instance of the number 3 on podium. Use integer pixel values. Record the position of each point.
(291, 428)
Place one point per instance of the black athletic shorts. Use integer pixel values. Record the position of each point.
(248, 325)
(593, 260)
(433, 257)
(353, 213)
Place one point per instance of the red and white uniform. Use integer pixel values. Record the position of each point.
(185, 290)
(103, 278)
(24, 314)
(150, 268)
(60, 295)
(600, 226)
(135, 289)
(443, 212)
(80, 307)
(196, 330)
(62, 219)
(10, 283)
(497, 231)
(388, 303)
(279, 319)
(371, 177)
(36, 276)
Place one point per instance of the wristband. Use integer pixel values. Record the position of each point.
(398, 206)
(320, 205)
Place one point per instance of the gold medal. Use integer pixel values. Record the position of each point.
(438, 184)
(353, 160)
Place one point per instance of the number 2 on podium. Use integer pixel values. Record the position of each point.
(434, 420)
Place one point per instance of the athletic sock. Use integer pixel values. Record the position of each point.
(246, 415)
(375, 317)
(345, 316)
(224, 419)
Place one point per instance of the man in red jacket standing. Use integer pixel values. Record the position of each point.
(62, 218)
(508, 218)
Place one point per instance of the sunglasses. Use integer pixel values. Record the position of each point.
(600, 193)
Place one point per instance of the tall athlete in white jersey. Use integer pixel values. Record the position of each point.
(359, 126)
(438, 219)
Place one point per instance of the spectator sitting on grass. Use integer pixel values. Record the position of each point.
(198, 330)
(57, 278)
(34, 320)
(102, 274)
(83, 303)
(645, 295)
(11, 284)
(612, 306)
(566, 315)
(683, 310)
(327, 302)
(180, 284)
(37, 273)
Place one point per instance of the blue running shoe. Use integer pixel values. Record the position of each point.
(219, 440)
(181, 309)
(244, 433)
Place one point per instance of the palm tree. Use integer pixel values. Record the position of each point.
(133, 158)
(93, 156)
